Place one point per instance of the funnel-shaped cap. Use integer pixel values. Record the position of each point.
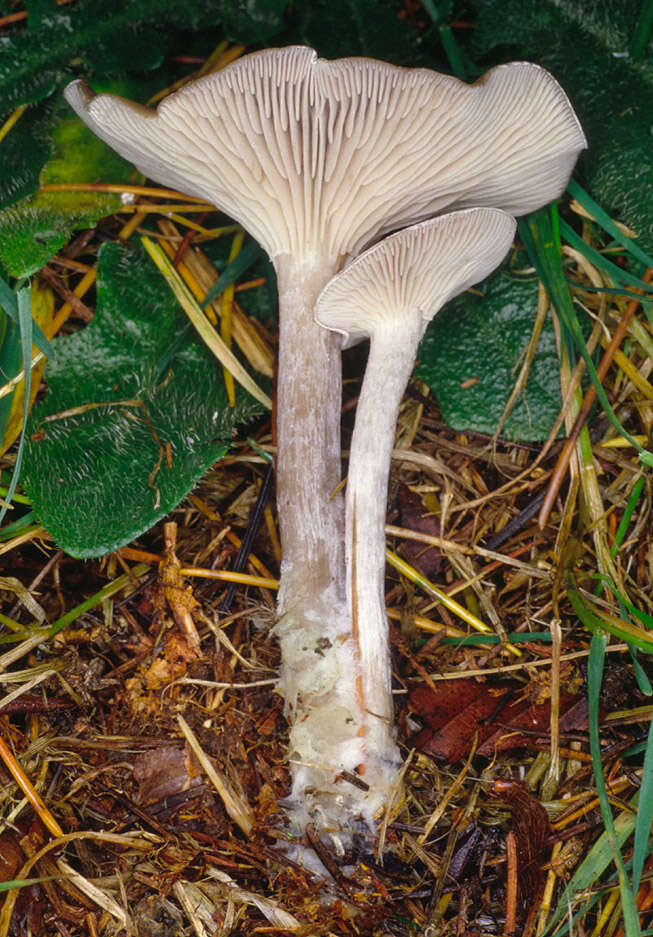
(412, 274)
(321, 158)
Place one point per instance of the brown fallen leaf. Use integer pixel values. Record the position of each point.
(522, 722)
(530, 825)
(498, 718)
(454, 715)
(416, 516)
(11, 856)
(165, 771)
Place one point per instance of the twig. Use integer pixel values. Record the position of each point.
(253, 525)
(511, 885)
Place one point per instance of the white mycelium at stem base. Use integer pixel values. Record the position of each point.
(316, 160)
(389, 294)
(317, 679)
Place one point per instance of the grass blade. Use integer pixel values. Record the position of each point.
(601, 217)
(24, 308)
(206, 331)
(597, 622)
(624, 523)
(594, 678)
(9, 303)
(594, 865)
(616, 274)
(642, 31)
(25, 882)
(242, 262)
(644, 814)
(18, 527)
(539, 239)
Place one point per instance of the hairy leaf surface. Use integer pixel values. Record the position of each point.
(135, 414)
(471, 356)
(585, 44)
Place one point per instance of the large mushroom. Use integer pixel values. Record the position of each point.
(389, 294)
(317, 159)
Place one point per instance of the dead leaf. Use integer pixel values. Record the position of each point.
(530, 824)
(499, 718)
(11, 856)
(415, 516)
(165, 771)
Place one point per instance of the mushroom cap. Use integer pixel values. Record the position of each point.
(412, 274)
(317, 157)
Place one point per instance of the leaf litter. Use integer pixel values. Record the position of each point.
(145, 747)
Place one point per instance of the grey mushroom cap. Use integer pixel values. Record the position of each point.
(413, 273)
(318, 157)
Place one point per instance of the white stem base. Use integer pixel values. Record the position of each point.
(320, 677)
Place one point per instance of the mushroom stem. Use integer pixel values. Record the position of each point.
(390, 293)
(389, 367)
(309, 400)
(318, 675)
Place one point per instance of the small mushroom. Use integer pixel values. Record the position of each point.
(389, 294)
(317, 159)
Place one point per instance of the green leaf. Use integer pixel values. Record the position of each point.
(18, 527)
(481, 338)
(643, 29)
(10, 363)
(592, 868)
(109, 36)
(252, 20)
(96, 599)
(607, 223)
(42, 311)
(598, 622)
(585, 44)
(24, 882)
(372, 28)
(539, 232)
(37, 227)
(617, 274)
(644, 814)
(23, 152)
(248, 256)
(9, 304)
(140, 386)
(78, 155)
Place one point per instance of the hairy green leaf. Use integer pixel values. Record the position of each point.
(374, 28)
(109, 36)
(36, 228)
(585, 44)
(23, 152)
(142, 389)
(252, 20)
(78, 155)
(470, 357)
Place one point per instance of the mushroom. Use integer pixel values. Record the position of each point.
(317, 159)
(389, 294)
